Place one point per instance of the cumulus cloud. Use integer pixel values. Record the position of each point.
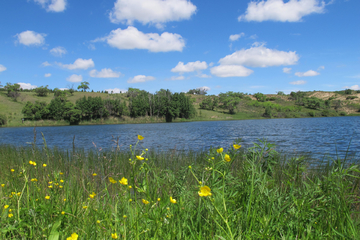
(52, 5)
(203, 75)
(260, 56)
(79, 64)
(47, 75)
(116, 90)
(235, 37)
(177, 78)
(132, 38)
(354, 87)
(2, 68)
(287, 70)
(26, 85)
(300, 82)
(45, 64)
(190, 67)
(278, 10)
(309, 73)
(140, 78)
(104, 73)
(29, 38)
(74, 78)
(58, 51)
(204, 88)
(231, 71)
(156, 12)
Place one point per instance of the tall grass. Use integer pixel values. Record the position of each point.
(245, 194)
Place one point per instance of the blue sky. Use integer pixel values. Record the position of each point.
(243, 46)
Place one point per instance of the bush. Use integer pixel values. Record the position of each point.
(351, 97)
(348, 91)
(3, 119)
(342, 113)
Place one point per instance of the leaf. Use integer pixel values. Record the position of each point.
(54, 234)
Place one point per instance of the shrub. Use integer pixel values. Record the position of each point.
(342, 113)
(3, 119)
(348, 91)
(351, 97)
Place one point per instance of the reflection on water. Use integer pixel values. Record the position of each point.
(316, 136)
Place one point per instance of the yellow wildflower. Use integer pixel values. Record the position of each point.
(146, 149)
(56, 184)
(123, 181)
(114, 236)
(85, 207)
(172, 200)
(94, 174)
(73, 236)
(130, 200)
(227, 158)
(140, 158)
(92, 195)
(112, 180)
(61, 181)
(44, 165)
(34, 180)
(140, 137)
(189, 167)
(145, 202)
(34, 164)
(2, 185)
(205, 191)
(47, 197)
(60, 186)
(50, 182)
(236, 146)
(6, 206)
(61, 173)
(124, 216)
(64, 199)
(220, 150)
(12, 170)
(62, 212)
(10, 210)
(50, 186)
(158, 199)
(10, 215)
(19, 193)
(130, 187)
(31, 162)
(98, 221)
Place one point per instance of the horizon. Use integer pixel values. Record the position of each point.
(246, 46)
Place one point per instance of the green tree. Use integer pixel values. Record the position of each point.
(12, 90)
(83, 85)
(42, 91)
(260, 97)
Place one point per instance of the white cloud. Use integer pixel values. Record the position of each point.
(260, 56)
(300, 82)
(309, 73)
(132, 38)
(177, 78)
(354, 87)
(104, 73)
(204, 88)
(116, 90)
(287, 70)
(62, 89)
(321, 68)
(277, 10)
(254, 36)
(47, 75)
(58, 51)
(45, 64)
(74, 78)
(79, 64)
(155, 12)
(30, 38)
(2, 68)
(26, 85)
(52, 5)
(140, 78)
(235, 37)
(203, 75)
(231, 71)
(190, 67)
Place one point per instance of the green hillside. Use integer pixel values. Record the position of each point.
(245, 106)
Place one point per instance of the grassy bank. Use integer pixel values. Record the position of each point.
(140, 194)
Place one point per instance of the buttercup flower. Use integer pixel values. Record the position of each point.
(19, 193)
(94, 174)
(204, 191)
(2, 185)
(31, 162)
(124, 216)
(98, 221)
(227, 158)
(85, 207)
(10, 215)
(112, 180)
(158, 199)
(140, 158)
(140, 137)
(44, 165)
(50, 186)
(73, 236)
(145, 202)
(62, 212)
(92, 195)
(47, 197)
(6, 206)
(61, 173)
(172, 200)
(114, 236)
(12, 170)
(220, 150)
(34, 180)
(123, 181)
(61, 181)
(236, 146)
(130, 187)
(64, 199)
(60, 186)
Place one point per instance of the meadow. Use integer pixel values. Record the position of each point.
(225, 193)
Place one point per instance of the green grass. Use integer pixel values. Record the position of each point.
(255, 194)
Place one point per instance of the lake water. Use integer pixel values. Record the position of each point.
(317, 136)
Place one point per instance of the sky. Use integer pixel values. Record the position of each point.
(242, 46)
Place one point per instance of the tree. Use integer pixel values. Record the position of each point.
(42, 91)
(83, 85)
(13, 90)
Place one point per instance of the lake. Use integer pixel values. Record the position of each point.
(316, 136)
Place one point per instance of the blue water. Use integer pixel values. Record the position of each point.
(317, 136)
